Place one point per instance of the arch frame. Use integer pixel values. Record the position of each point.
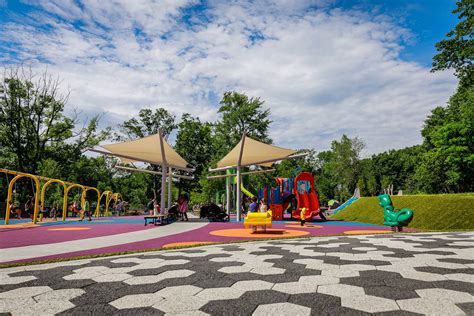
(83, 199)
(66, 197)
(10, 191)
(43, 191)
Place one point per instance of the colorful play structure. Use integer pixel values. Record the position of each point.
(252, 155)
(41, 184)
(288, 190)
(393, 217)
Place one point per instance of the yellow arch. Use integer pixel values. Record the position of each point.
(43, 191)
(83, 199)
(9, 195)
(66, 193)
(107, 200)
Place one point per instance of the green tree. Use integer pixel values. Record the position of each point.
(448, 163)
(194, 144)
(32, 124)
(149, 122)
(457, 51)
(339, 168)
(241, 113)
(372, 185)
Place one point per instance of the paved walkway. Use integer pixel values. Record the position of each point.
(403, 273)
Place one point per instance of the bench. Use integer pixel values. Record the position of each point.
(154, 219)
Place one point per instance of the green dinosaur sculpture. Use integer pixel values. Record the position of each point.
(392, 216)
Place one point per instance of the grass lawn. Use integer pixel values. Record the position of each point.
(432, 212)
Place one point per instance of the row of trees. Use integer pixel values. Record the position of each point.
(36, 136)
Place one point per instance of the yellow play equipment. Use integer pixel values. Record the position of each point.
(40, 191)
(254, 220)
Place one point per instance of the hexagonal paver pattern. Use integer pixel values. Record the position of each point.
(282, 309)
(369, 304)
(429, 273)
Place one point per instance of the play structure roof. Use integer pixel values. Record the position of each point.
(252, 152)
(152, 149)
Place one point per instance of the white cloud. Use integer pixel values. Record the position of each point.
(322, 72)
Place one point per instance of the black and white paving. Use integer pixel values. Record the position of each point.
(429, 273)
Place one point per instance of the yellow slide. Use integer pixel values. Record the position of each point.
(245, 191)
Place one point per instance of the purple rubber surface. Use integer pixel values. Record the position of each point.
(42, 235)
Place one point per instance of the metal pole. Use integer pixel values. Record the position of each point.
(227, 194)
(164, 168)
(239, 176)
(163, 189)
(242, 174)
(237, 199)
(170, 194)
(177, 176)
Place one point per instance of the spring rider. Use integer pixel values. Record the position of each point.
(254, 220)
(393, 217)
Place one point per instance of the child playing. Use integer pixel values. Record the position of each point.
(253, 207)
(263, 206)
(303, 216)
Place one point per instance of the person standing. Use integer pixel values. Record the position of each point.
(151, 206)
(183, 207)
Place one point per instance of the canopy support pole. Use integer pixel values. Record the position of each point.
(170, 195)
(164, 169)
(239, 180)
(238, 197)
(227, 195)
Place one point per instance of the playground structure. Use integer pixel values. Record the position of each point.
(249, 152)
(300, 189)
(393, 217)
(40, 193)
(231, 183)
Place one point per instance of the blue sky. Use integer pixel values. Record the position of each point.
(364, 62)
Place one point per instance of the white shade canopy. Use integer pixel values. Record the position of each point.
(151, 149)
(251, 152)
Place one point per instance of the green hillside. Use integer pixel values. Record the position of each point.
(432, 212)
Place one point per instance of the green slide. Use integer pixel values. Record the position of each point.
(245, 191)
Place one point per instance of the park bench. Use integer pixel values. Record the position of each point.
(154, 219)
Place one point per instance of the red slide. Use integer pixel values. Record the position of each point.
(314, 203)
(303, 202)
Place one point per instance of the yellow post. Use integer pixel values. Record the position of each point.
(66, 197)
(10, 191)
(43, 191)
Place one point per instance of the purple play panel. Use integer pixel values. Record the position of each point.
(43, 236)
